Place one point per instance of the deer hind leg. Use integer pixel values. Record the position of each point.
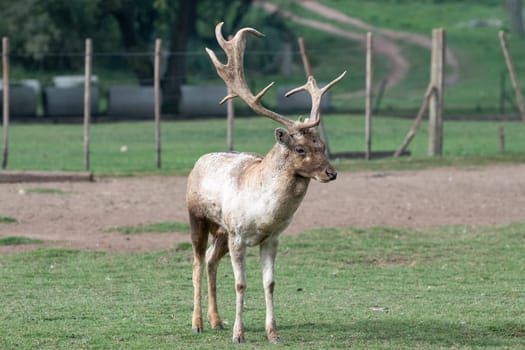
(217, 250)
(268, 252)
(199, 239)
(238, 258)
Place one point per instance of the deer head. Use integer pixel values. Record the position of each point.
(299, 140)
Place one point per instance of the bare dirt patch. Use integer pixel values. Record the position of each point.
(81, 217)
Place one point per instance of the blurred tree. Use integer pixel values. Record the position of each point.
(180, 21)
(136, 22)
(187, 20)
(50, 34)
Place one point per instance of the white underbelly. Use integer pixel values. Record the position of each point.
(253, 220)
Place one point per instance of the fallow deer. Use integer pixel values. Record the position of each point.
(244, 199)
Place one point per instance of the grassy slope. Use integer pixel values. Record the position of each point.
(378, 288)
(477, 49)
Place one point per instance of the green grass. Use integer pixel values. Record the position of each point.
(157, 227)
(40, 147)
(377, 288)
(19, 240)
(46, 190)
(7, 220)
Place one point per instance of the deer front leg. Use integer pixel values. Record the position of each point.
(238, 258)
(199, 240)
(268, 252)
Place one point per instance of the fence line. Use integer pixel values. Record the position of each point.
(392, 100)
(435, 99)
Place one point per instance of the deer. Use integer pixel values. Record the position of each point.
(244, 200)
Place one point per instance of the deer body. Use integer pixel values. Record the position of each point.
(251, 196)
(244, 199)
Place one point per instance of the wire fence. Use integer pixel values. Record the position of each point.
(122, 83)
(480, 90)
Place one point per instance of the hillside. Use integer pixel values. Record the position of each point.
(335, 33)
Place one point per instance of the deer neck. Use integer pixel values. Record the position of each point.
(276, 172)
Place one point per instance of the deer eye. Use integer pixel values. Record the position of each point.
(300, 150)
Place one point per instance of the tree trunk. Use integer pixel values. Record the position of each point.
(515, 10)
(180, 32)
(141, 65)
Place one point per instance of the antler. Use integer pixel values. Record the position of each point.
(316, 93)
(232, 73)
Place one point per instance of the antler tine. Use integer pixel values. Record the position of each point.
(232, 73)
(316, 93)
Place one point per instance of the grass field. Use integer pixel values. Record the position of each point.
(60, 146)
(378, 288)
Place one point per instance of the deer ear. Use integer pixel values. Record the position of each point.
(282, 136)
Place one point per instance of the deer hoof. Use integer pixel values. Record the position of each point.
(198, 330)
(275, 340)
(218, 327)
(238, 340)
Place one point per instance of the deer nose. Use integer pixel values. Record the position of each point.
(331, 173)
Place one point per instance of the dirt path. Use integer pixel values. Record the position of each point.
(419, 199)
(384, 42)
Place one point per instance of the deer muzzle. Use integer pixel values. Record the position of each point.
(331, 173)
(326, 175)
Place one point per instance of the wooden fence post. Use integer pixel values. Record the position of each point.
(512, 71)
(308, 72)
(501, 137)
(5, 101)
(87, 101)
(502, 94)
(156, 82)
(379, 96)
(304, 57)
(369, 95)
(435, 117)
(417, 122)
(230, 117)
